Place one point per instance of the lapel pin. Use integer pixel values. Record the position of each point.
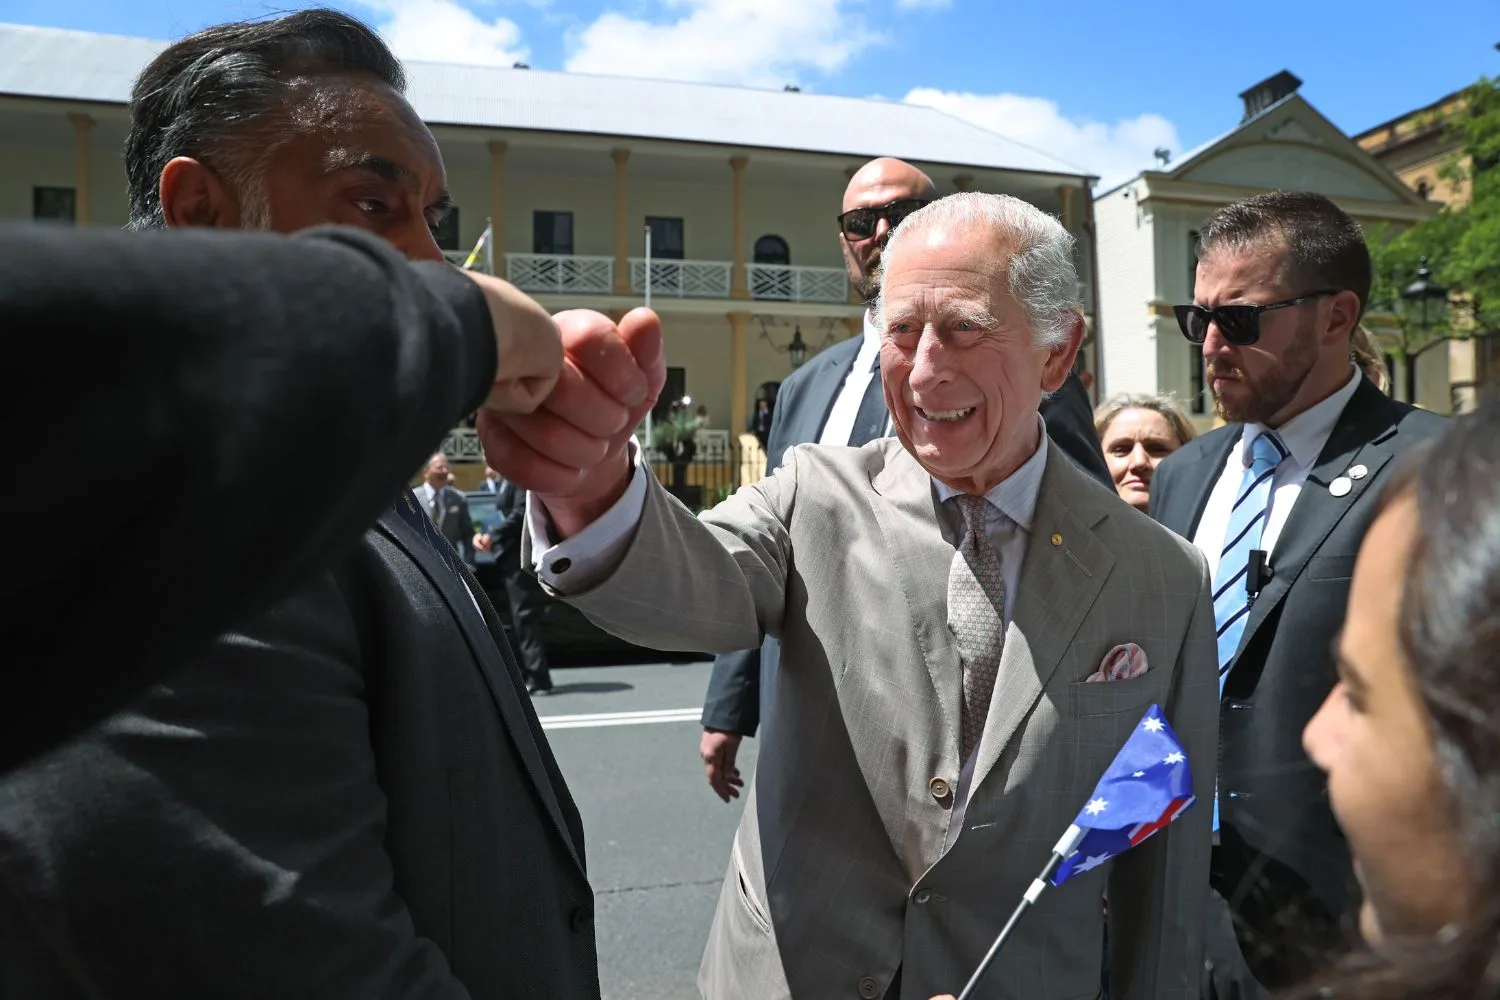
(1056, 538)
(1358, 472)
(1340, 487)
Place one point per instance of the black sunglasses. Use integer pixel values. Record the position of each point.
(860, 223)
(1240, 325)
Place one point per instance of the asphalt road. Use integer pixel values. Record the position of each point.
(658, 839)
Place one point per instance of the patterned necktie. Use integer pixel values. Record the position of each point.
(1247, 522)
(869, 422)
(976, 617)
(436, 510)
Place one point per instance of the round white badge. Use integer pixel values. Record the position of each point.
(1358, 472)
(1340, 487)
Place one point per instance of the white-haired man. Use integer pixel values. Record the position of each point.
(941, 598)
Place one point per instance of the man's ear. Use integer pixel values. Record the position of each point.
(1060, 358)
(192, 194)
(1343, 316)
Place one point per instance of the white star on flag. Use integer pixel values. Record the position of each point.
(1153, 725)
(1096, 807)
(1139, 774)
(1091, 862)
(1175, 757)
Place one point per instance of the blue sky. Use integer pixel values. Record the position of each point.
(1097, 84)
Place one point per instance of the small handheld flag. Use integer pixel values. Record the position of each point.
(474, 254)
(1149, 784)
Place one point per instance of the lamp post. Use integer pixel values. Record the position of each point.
(1426, 301)
(797, 349)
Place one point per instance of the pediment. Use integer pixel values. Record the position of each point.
(1289, 164)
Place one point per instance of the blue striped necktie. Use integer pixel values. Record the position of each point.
(1247, 523)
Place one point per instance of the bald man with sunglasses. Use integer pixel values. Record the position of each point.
(1278, 501)
(836, 399)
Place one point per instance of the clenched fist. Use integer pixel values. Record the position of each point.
(572, 452)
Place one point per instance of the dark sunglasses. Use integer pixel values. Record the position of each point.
(860, 223)
(1240, 325)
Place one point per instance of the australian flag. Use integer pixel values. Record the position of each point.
(1148, 786)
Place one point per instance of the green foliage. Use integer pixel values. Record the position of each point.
(674, 437)
(1461, 243)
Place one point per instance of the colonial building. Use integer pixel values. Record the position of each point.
(1418, 147)
(1148, 234)
(738, 187)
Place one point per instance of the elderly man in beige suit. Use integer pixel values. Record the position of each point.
(942, 599)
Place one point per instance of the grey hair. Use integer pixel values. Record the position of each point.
(1039, 269)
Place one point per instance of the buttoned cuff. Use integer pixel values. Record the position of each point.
(576, 564)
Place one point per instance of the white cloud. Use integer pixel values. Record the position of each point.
(445, 31)
(1115, 152)
(923, 4)
(759, 43)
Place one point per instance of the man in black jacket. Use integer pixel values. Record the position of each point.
(349, 795)
(524, 596)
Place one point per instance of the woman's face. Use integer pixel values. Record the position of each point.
(1135, 442)
(1373, 740)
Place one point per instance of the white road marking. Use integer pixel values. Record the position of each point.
(599, 719)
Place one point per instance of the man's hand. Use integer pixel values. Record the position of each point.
(573, 450)
(528, 347)
(482, 541)
(718, 750)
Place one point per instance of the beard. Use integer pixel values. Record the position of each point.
(1272, 391)
(863, 278)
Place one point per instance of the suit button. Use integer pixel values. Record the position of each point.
(560, 566)
(580, 918)
(869, 988)
(922, 896)
(939, 789)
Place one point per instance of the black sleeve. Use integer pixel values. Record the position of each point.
(1070, 423)
(193, 422)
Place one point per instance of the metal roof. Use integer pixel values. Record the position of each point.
(77, 65)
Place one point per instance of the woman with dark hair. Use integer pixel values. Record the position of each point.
(1410, 736)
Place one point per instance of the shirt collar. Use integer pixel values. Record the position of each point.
(1305, 434)
(872, 335)
(1016, 495)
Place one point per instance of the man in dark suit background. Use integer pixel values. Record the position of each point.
(1278, 501)
(447, 506)
(525, 599)
(836, 398)
(350, 795)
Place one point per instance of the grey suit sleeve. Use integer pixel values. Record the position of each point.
(223, 839)
(1156, 938)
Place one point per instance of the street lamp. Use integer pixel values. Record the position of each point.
(1426, 302)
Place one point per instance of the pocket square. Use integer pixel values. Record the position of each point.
(1120, 664)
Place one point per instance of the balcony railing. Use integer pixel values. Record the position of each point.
(798, 284)
(683, 279)
(569, 274)
(560, 273)
(462, 445)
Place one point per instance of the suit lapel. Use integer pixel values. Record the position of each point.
(1064, 569)
(1364, 435)
(906, 509)
(1202, 471)
(493, 657)
(824, 389)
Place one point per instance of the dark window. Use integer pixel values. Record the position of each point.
(772, 250)
(1199, 377)
(1192, 264)
(446, 231)
(672, 391)
(53, 204)
(666, 237)
(552, 232)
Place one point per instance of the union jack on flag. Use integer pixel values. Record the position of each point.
(1148, 786)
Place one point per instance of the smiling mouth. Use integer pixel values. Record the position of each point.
(944, 416)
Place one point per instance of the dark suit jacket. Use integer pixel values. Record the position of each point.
(456, 523)
(732, 702)
(348, 798)
(1281, 848)
(510, 504)
(210, 358)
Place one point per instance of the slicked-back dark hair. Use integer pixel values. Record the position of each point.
(206, 95)
(1326, 248)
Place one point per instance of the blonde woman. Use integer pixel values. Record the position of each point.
(1136, 433)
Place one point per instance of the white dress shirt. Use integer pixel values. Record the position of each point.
(1304, 436)
(840, 422)
(425, 493)
(593, 553)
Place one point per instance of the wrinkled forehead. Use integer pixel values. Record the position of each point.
(971, 250)
(344, 116)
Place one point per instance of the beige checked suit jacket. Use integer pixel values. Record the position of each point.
(838, 874)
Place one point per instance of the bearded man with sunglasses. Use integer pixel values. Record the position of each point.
(1278, 501)
(836, 399)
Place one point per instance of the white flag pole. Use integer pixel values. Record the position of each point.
(489, 245)
(1066, 846)
(649, 440)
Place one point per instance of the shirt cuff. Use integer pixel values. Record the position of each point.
(576, 564)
